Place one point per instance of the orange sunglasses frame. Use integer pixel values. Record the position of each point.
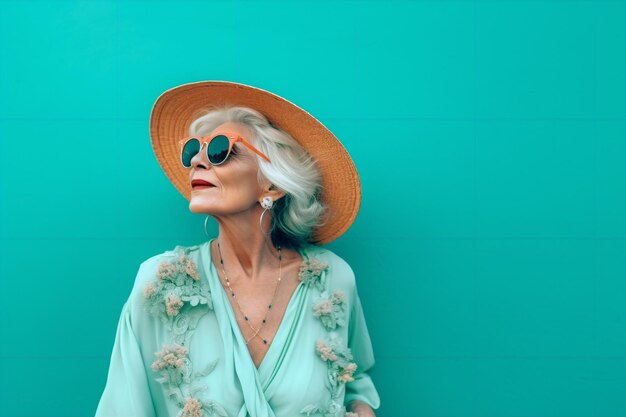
(205, 140)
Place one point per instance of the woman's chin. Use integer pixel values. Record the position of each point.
(200, 207)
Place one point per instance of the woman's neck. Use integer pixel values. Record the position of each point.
(247, 253)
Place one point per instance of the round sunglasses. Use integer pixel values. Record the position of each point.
(218, 148)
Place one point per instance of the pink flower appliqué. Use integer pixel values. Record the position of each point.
(346, 373)
(190, 269)
(330, 310)
(166, 270)
(173, 304)
(338, 297)
(325, 351)
(170, 356)
(149, 290)
(192, 408)
(310, 272)
(323, 307)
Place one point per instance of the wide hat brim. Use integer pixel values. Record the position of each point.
(176, 108)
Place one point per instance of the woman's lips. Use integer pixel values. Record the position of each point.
(198, 183)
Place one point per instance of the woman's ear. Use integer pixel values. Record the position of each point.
(274, 192)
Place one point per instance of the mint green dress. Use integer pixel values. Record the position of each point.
(178, 349)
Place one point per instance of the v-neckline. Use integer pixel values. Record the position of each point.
(288, 310)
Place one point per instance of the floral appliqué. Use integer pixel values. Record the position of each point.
(177, 289)
(311, 273)
(331, 310)
(341, 369)
(180, 298)
(339, 359)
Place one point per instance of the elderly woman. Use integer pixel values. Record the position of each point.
(260, 321)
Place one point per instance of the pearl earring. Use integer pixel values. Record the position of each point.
(267, 202)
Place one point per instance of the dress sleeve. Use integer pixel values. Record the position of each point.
(362, 388)
(126, 393)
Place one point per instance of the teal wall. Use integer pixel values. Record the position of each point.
(490, 136)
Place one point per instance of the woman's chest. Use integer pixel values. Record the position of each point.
(260, 309)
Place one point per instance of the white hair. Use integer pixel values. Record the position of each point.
(292, 170)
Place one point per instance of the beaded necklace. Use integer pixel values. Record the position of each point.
(232, 293)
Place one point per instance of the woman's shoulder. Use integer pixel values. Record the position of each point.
(339, 271)
(165, 281)
(173, 252)
(163, 263)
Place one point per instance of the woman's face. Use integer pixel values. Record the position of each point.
(235, 185)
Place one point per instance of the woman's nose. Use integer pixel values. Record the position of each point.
(200, 159)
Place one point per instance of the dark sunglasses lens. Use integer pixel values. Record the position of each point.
(191, 148)
(218, 149)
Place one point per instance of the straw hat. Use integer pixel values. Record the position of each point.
(176, 108)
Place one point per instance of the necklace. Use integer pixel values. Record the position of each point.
(232, 293)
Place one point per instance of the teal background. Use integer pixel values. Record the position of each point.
(490, 137)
